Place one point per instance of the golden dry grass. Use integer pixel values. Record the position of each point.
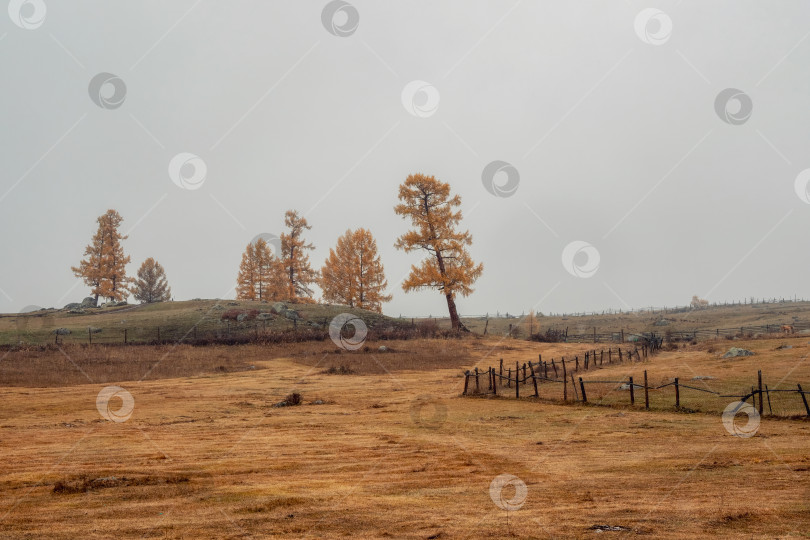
(394, 454)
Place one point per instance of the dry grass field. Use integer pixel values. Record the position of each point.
(382, 446)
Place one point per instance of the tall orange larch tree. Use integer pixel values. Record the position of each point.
(299, 274)
(433, 213)
(353, 273)
(261, 276)
(104, 266)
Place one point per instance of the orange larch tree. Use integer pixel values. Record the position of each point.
(298, 272)
(151, 285)
(261, 276)
(448, 267)
(353, 273)
(104, 268)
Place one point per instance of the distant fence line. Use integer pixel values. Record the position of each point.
(532, 376)
(650, 309)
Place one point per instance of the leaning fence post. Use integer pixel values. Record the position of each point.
(565, 381)
(759, 379)
(574, 386)
(517, 379)
(476, 381)
(555, 369)
(646, 392)
(524, 373)
(768, 393)
(804, 398)
(501, 372)
(582, 387)
(632, 392)
(677, 395)
(534, 380)
(466, 381)
(577, 364)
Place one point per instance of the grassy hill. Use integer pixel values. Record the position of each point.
(749, 317)
(169, 321)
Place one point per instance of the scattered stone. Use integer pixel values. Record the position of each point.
(661, 322)
(264, 316)
(72, 305)
(292, 315)
(736, 351)
(784, 347)
(702, 378)
(61, 331)
(89, 302)
(241, 317)
(625, 386)
(318, 402)
(604, 528)
(383, 348)
(279, 308)
(218, 307)
(77, 311)
(233, 303)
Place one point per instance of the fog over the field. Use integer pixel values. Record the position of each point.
(612, 123)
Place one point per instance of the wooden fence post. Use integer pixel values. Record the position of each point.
(768, 393)
(677, 395)
(582, 387)
(632, 392)
(501, 372)
(466, 381)
(761, 402)
(125, 336)
(517, 381)
(804, 398)
(576, 368)
(574, 386)
(565, 381)
(476, 381)
(494, 382)
(601, 357)
(620, 355)
(534, 380)
(555, 369)
(524, 372)
(646, 392)
(509, 377)
(489, 378)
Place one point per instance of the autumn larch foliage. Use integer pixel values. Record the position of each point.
(104, 268)
(151, 285)
(448, 266)
(299, 274)
(261, 275)
(353, 273)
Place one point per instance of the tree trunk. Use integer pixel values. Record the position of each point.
(451, 307)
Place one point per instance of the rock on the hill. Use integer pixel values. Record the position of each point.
(292, 314)
(264, 316)
(241, 317)
(383, 348)
(279, 308)
(72, 305)
(61, 331)
(736, 351)
(88, 302)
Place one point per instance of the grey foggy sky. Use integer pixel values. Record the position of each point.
(616, 141)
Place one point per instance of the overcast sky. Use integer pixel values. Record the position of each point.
(628, 176)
